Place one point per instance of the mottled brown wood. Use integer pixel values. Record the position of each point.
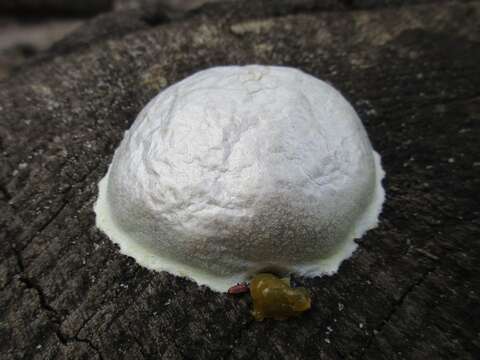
(411, 291)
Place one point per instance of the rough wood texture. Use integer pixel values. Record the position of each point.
(411, 291)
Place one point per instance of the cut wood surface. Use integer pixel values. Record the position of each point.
(411, 290)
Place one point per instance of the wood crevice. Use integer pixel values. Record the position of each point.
(31, 283)
(397, 305)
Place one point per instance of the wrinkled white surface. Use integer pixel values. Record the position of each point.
(238, 169)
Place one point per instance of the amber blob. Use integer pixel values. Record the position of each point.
(274, 298)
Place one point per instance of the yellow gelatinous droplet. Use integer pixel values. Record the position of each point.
(274, 298)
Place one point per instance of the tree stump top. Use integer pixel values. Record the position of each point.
(410, 291)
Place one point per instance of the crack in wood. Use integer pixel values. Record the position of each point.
(64, 203)
(47, 223)
(396, 306)
(4, 193)
(31, 283)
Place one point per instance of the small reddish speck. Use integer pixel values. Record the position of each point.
(240, 288)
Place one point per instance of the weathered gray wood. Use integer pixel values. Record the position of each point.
(410, 291)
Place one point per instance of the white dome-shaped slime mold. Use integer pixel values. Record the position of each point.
(238, 169)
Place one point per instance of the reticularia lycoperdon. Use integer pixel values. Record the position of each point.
(241, 169)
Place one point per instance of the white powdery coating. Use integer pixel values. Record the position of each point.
(239, 169)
